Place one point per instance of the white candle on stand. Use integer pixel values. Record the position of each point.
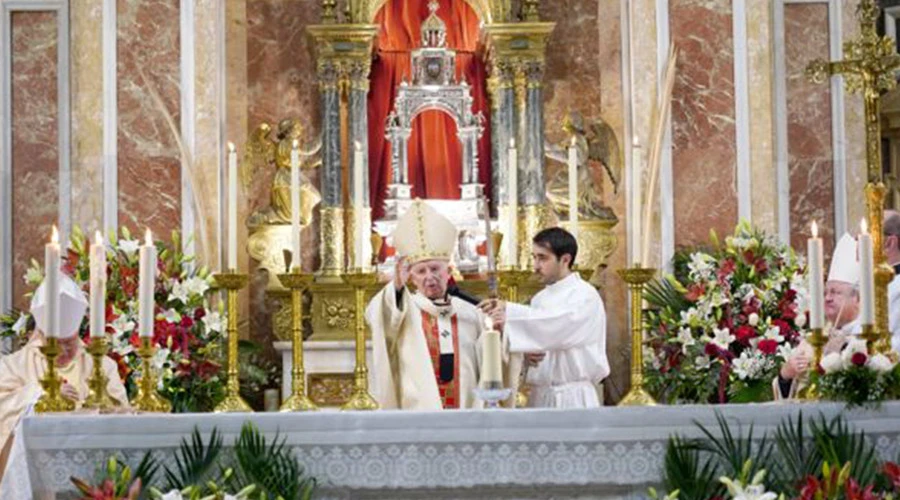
(146, 286)
(637, 162)
(866, 276)
(232, 208)
(51, 284)
(816, 289)
(295, 205)
(98, 286)
(490, 362)
(573, 189)
(512, 193)
(358, 208)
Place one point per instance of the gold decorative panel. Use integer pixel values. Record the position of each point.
(330, 389)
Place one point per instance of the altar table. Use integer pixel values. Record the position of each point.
(528, 454)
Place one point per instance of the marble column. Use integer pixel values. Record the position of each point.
(533, 136)
(332, 213)
(503, 103)
(359, 133)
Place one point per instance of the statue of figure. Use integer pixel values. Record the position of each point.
(600, 147)
(263, 151)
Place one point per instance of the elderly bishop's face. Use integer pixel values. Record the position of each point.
(430, 278)
(841, 302)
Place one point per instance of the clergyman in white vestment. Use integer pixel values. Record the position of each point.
(22, 371)
(841, 317)
(562, 331)
(425, 345)
(891, 237)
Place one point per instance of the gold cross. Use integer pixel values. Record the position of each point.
(868, 68)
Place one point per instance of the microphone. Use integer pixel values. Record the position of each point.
(453, 289)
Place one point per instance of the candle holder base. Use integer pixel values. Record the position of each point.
(360, 401)
(492, 395)
(233, 403)
(298, 402)
(637, 396)
(98, 397)
(148, 399)
(52, 399)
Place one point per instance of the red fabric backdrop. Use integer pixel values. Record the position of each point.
(434, 153)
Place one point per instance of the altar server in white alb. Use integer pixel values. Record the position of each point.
(425, 349)
(891, 237)
(21, 372)
(841, 315)
(562, 331)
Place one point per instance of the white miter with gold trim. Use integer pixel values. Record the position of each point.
(422, 233)
(844, 262)
(72, 307)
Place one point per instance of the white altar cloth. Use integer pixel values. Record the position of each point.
(598, 453)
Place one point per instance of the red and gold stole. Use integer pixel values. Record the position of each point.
(449, 390)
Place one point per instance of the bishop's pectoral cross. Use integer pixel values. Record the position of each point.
(868, 67)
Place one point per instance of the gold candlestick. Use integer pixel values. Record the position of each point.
(884, 273)
(52, 399)
(298, 282)
(872, 337)
(233, 402)
(360, 399)
(148, 398)
(817, 340)
(98, 397)
(636, 277)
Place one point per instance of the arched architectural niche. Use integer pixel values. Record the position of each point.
(483, 8)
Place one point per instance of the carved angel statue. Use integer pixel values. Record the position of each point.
(596, 147)
(262, 151)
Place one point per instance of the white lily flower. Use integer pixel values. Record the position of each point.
(179, 292)
(832, 363)
(196, 286)
(20, 324)
(722, 337)
(686, 339)
(880, 363)
(34, 275)
(130, 247)
(213, 322)
(172, 316)
(753, 319)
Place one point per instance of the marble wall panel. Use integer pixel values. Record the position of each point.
(854, 135)
(149, 115)
(760, 60)
(35, 147)
(86, 66)
(703, 120)
(809, 115)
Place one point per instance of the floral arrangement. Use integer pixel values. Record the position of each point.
(855, 376)
(720, 326)
(187, 333)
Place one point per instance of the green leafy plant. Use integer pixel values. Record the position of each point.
(195, 461)
(271, 466)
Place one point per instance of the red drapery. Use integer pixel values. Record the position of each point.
(434, 152)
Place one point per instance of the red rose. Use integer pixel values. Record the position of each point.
(784, 328)
(744, 333)
(711, 350)
(186, 322)
(199, 314)
(859, 358)
(767, 346)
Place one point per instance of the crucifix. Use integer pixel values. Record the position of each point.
(868, 67)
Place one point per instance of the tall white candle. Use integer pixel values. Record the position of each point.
(51, 283)
(358, 208)
(815, 270)
(490, 361)
(573, 189)
(98, 286)
(146, 286)
(512, 193)
(295, 205)
(232, 207)
(637, 162)
(866, 276)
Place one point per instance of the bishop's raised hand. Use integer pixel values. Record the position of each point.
(401, 273)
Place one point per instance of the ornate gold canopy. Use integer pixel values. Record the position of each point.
(490, 11)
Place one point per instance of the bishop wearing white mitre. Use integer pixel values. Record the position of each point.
(425, 344)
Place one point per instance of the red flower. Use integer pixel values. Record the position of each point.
(892, 471)
(761, 266)
(749, 256)
(744, 333)
(726, 269)
(859, 358)
(199, 314)
(810, 487)
(695, 291)
(767, 346)
(784, 328)
(135, 339)
(853, 491)
(186, 322)
(711, 350)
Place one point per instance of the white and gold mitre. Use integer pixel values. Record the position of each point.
(844, 262)
(422, 233)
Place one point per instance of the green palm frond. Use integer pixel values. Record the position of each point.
(690, 472)
(838, 444)
(195, 461)
(734, 451)
(271, 467)
(662, 293)
(147, 469)
(799, 456)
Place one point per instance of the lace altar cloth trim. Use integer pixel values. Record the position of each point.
(614, 448)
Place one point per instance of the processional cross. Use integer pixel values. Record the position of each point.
(868, 67)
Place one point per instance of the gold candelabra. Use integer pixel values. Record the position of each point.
(52, 399)
(884, 273)
(637, 277)
(148, 398)
(510, 281)
(233, 402)
(298, 282)
(98, 397)
(360, 399)
(817, 340)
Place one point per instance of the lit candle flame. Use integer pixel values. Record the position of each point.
(54, 236)
(573, 141)
(357, 145)
(230, 147)
(148, 238)
(863, 227)
(815, 230)
(635, 142)
(98, 238)
(296, 144)
(512, 143)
